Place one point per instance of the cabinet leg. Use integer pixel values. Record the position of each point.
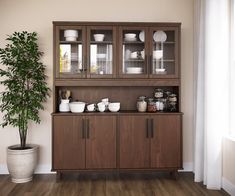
(58, 176)
(175, 174)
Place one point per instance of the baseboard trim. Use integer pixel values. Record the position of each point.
(228, 186)
(46, 168)
(41, 169)
(3, 169)
(187, 167)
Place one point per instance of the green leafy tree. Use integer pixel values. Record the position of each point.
(23, 77)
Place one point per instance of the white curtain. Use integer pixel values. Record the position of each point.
(212, 84)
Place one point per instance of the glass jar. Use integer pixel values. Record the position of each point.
(141, 104)
(158, 93)
(151, 105)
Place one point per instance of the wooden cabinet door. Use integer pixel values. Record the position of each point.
(134, 143)
(101, 142)
(166, 141)
(68, 143)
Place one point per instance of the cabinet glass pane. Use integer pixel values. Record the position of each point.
(163, 54)
(101, 52)
(71, 60)
(133, 52)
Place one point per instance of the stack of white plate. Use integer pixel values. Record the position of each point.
(134, 70)
(71, 35)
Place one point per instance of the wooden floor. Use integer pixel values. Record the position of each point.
(160, 184)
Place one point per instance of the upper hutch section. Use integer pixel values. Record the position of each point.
(93, 50)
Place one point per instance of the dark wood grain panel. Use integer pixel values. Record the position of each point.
(101, 142)
(166, 141)
(134, 144)
(69, 146)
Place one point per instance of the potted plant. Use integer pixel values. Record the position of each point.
(22, 75)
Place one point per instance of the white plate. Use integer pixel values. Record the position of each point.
(141, 36)
(159, 36)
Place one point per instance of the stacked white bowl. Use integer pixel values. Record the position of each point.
(71, 35)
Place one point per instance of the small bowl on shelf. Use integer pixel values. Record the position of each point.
(114, 107)
(99, 37)
(70, 33)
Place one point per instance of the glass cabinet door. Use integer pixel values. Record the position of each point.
(101, 52)
(164, 53)
(70, 42)
(133, 52)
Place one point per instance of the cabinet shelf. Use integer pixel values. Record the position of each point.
(123, 112)
(103, 42)
(70, 42)
(134, 42)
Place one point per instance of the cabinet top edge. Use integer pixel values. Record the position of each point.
(64, 23)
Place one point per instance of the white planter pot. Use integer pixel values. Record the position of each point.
(21, 163)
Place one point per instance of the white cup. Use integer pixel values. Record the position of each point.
(91, 107)
(101, 107)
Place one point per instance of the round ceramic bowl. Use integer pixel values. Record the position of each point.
(99, 37)
(77, 107)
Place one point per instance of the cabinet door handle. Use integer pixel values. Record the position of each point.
(147, 128)
(88, 129)
(152, 128)
(83, 129)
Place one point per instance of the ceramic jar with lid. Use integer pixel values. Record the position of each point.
(141, 104)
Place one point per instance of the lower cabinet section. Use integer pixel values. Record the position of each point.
(121, 141)
(150, 141)
(81, 142)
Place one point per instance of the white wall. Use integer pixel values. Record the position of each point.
(37, 15)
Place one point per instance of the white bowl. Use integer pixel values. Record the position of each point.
(130, 35)
(134, 55)
(142, 54)
(157, 54)
(71, 33)
(100, 56)
(71, 39)
(99, 37)
(77, 107)
(114, 107)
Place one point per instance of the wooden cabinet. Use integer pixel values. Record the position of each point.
(120, 61)
(81, 142)
(152, 141)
